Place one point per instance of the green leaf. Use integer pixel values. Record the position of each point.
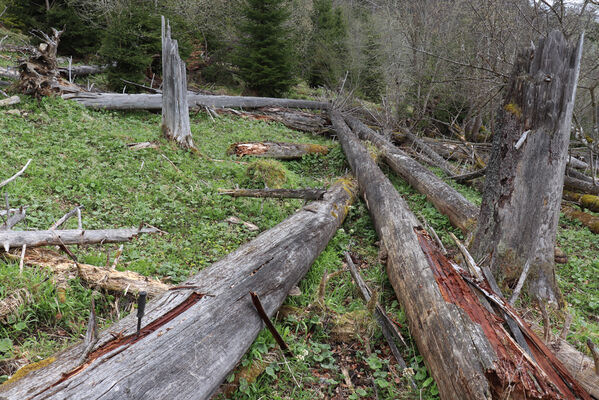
(5, 345)
(427, 382)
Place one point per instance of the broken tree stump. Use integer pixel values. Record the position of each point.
(16, 239)
(281, 151)
(39, 75)
(175, 110)
(461, 213)
(469, 353)
(191, 338)
(306, 194)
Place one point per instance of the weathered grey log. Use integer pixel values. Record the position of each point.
(175, 110)
(574, 162)
(13, 219)
(16, 239)
(579, 185)
(306, 194)
(578, 175)
(282, 151)
(9, 72)
(469, 353)
(523, 190)
(294, 119)
(114, 101)
(470, 175)
(430, 153)
(461, 213)
(10, 101)
(83, 70)
(192, 338)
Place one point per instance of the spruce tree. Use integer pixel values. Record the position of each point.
(264, 55)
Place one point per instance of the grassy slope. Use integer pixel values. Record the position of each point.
(80, 157)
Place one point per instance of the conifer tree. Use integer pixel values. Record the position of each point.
(264, 55)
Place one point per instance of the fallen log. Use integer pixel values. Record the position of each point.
(109, 279)
(115, 101)
(10, 101)
(574, 162)
(192, 338)
(469, 353)
(584, 200)
(293, 119)
(461, 213)
(470, 175)
(9, 72)
(588, 220)
(578, 185)
(578, 175)
(430, 153)
(82, 70)
(306, 194)
(281, 151)
(16, 239)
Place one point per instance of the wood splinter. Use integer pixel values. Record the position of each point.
(595, 353)
(269, 324)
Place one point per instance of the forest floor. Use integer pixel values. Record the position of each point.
(81, 157)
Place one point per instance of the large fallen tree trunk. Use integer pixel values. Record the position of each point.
(16, 239)
(294, 119)
(578, 185)
(466, 347)
(192, 338)
(282, 151)
(115, 101)
(461, 213)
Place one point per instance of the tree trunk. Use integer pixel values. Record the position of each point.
(523, 190)
(306, 194)
(175, 111)
(461, 213)
(430, 153)
(466, 347)
(115, 101)
(192, 338)
(16, 239)
(293, 119)
(579, 185)
(39, 74)
(282, 151)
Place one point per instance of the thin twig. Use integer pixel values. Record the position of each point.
(65, 218)
(15, 176)
(119, 252)
(269, 324)
(22, 259)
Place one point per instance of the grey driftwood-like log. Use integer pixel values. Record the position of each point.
(430, 153)
(578, 175)
(469, 353)
(294, 119)
(115, 101)
(574, 162)
(281, 151)
(9, 72)
(10, 101)
(175, 110)
(461, 213)
(578, 185)
(83, 70)
(306, 194)
(470, 175)
(192, 337)
(525, 175)
(16, 239)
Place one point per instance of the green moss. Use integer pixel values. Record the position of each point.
(266, 172)
(514, 109)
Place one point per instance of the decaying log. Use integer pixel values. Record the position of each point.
(578, 185)
(192, 338)
(584, 200)
(447, 200)
(469, 176)
(430, 153)
(10, 101)
(294, 119)
(39, 75)
(578, 175)
(525, 175)
(82, 70)
(574, 162)
(64, 270)
(306, 194)
(469, 353)
(588, 220)
(282, 151)
(9, 72)
(175, 110)
(16, 239)
(115, 101)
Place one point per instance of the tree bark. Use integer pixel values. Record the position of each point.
(175, 110)
(16, 239)
(466, 348)
(39, 74)
(114, 101)
(192, 338)
(306, 194)
(523, 190)
(579, 185)
(282, 151)
(461, 213)
(293, 119)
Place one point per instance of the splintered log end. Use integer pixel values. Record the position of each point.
(247, 149)
(514, 373)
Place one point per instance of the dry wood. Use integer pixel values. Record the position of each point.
(578, 175)
(588, 220)
(10, 101)
(470, 175)
(294, 119)
(82, 70)
(595, 353)
(13, 219)
(282, 151)
(192, 338)
(16, 239)
(574, 162)
(66, 217)
(39, 75)
(578, 185)
(9, 72)
(15, 176)
(306, 194)
(430, 153)
(115, 101)
(447, 200)
(465, 347)
(175, 110)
